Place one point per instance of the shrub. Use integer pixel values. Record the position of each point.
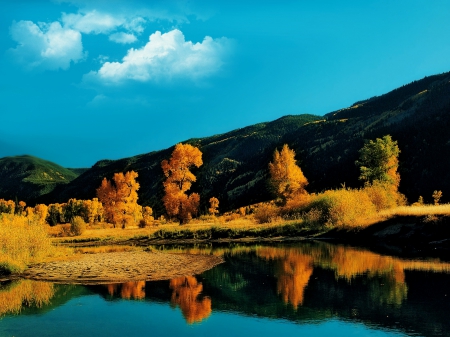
(266, 213)
(343, 207)
(22, 241)
(77, 226)
(383, 196)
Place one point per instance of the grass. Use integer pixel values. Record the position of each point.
(23, 242)
(206, 228)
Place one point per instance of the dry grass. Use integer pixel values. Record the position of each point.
(417, 211)
(422, 210)
(22, 242)
(196, 228)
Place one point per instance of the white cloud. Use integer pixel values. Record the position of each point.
(166, 56)
(135, 25)
(102, 22)
(123, 38)
(47, 46)
(92, 22)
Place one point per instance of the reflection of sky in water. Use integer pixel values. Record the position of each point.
(91, 315)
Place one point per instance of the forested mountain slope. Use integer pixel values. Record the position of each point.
(235, 171)
(27, 178)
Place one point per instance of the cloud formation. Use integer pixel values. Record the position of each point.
(95, 22)
(166, 56)
(45, 46)
(123, 38)
(92, 22)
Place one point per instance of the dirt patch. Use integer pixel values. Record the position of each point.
(121, 267)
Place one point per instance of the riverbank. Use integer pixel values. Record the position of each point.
(401, 235)
(412, 235)
(104, 268)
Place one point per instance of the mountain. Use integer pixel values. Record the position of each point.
(27, 178)
(417, 115)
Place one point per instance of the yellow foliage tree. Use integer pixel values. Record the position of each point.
(93, 209)
(41, 212)
(179, 180)
(214, 204)
(119, 199)
(286, 178)
(7, 206)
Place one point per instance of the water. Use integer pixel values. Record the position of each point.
(304, 289)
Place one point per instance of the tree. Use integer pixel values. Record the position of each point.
(119, 198)
(378, 162)
(286, 178)
(179, 180)
(437, 195)
(214, 204)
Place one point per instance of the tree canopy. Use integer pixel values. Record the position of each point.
(179, 180)
(119, 198)
(286, 178)
(378, 161)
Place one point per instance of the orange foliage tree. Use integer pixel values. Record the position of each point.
(214, 204)
(179, 181)
(119, 198)
(286, 178)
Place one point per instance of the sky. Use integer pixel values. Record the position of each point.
(86, 80)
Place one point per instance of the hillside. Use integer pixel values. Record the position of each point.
(233, 170)
(26, 177)
(417, 115)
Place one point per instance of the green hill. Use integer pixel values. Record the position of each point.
(26, 177)
(417, 115)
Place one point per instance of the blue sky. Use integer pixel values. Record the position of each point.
(86, 80)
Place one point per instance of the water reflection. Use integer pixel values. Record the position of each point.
(301, 282)
(128, 290)
(186, 295)
(293, 266)
(292, 270)
(15, 296)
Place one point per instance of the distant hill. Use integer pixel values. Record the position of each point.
(417, 115)
(27, 178)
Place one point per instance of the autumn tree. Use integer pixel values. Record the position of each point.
(147, 216)
(73, 208)
(214, 204)
(7, 206)
(119, 198)
(93, 210)
(378, 162)
(54, 214)
(437, 195)
(179, 180)
(286, 178)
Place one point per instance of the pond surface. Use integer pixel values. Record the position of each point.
(303, 289)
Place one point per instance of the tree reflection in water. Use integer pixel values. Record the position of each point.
(24, 293)
(186, 294)
(294, 267)
(292, 270)
(128, 290)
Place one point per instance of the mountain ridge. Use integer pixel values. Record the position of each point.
(417, 115)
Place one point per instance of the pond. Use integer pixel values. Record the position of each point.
(303, 289)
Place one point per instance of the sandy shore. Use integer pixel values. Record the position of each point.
(121, 267)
